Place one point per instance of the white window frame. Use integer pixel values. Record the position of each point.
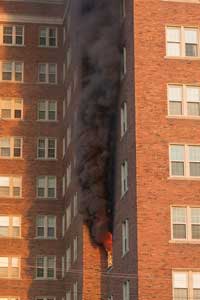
(186, 161)
(69, 135)
(12, 147)
(10, 258)
(124, 178)
(45, 227)
(13, 71)
(68, 295)
(47, 110)
(126, 290)
(11, 186)
(47, 73)
(75, 249)
(46, 178)
(75, 205)
(124, 119)
(189, 282)
(47, 37)
(188, 224)
(123, 62)
(11, 226)
(45, 267)
(123, 8)
(68, 175)
(184, 102)
(75, 290)
(125, 237)
(68, 259)
(46, 148)
(12, 107)
(182, 41)
(68, 216)
(63, 225)
(63, 266)
(14, 35)
(44, 298)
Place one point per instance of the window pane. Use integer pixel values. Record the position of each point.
(177, 152)
(192, 94)
(196, 231)
(173, 49)
(175, 108)
(179, 231)
(180, 279)
(196, 280)
(177, 168)
(194, 153)
(175, 93)
(180, 294)
(191, 50)
(195, 169)
(191, 36)
(193, 109)
(179, 215)
(173, 34)
(195, 215)
(196, 294)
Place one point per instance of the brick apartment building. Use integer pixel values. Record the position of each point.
(45, 250)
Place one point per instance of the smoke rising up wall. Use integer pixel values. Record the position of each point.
(98, 39)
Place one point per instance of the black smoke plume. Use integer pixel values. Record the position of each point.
(98, 41)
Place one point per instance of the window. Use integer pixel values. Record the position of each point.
(48, 37)
(64, 108)
(68, 259)
(110, 298)
(46, 267)
(123, 8)
(63, 185)
(68, 295)
(125, 237)
(63, 266)
(10, 186)
(69, 171)
(186, 223)
(185, 160)
(47, 110)
(124, 125)
(75, 204)
(9, 298)
(9, 267)
(63, 225)
(12, 71)
(68, 216)
(13, 35)
(47, 73)
(46, 187)
(69, 134)
(10, 147)
(186, 285)
(69, 57)
(46, 148)
(64, 72)
(46, 227)
(11, 108)
(184, 100)
(123, 62)
(126, 290)
(124, 177)
(75, 248)
(63, 147)
(69, 94)
(10, 226)
(45, 298)
(182, 41)
(75, 290)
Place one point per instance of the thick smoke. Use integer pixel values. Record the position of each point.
(98, 38)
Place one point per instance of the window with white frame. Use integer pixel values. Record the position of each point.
(47, 73)
(68, 295)
(47, 110)
(63, 147)
(46, 187)
(68, 175)
(9, 267)
(11, 108)
(75, 204)
(46, 148)
(10, 226)
(64, 108)
(123, 8)
(63, 185)
(75, 249)
(124, 120)
(75, 290)
(10, 186)
(182, 41)
(13, 35)
(125, 237)
(69, 94)
(9, 298)
(186, 285)
(11, 71)
(68, 216)
(10, 147)
(186, 223)
(46, 227)
(185, 160)
(126, 290)
(63, 225)
(48, 37)
(69, 134)
(46, 267)
(123, 62)
(63, 266)
(68, 259)
(124, 177)
(184, 100)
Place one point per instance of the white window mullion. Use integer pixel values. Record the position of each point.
(186, 161)
(188, 225)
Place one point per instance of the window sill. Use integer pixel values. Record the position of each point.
(46, 199)
(50, 83)
(183, 57)
(47, 121)
(125, 254)
(11, 158)
(46, 159)
(184, 178)
(184, 242)
(12, 45)
(45, 238)
(183, 1)
(48, 47)
(197, 118)
(124, 195)
(11, 81)
(45, 279)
